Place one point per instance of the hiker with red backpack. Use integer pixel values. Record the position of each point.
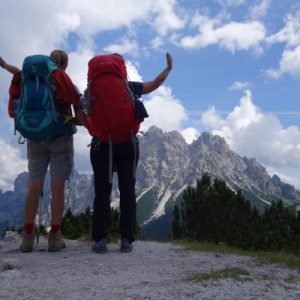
(112, 113)
(40, 100)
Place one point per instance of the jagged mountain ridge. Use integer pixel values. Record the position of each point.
(167, 166)
(172, 163)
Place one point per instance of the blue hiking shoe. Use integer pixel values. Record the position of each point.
(126, 246)
(100, 246)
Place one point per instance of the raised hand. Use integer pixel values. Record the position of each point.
(169, 61)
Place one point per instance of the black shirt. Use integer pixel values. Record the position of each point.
(136, 88)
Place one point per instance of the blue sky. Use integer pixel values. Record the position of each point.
(236, 68)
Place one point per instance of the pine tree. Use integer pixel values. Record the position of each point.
(177, 232)
(70, 226)
(276, 221)
(85, 222)
(195, 207)
(214, 213)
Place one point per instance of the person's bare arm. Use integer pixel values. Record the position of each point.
(79, 117)
(9, 68)
(150, 86)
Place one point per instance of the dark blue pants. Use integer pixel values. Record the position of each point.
(125, 158)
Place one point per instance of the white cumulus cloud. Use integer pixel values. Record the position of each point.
(289, 35)
(168, 19)
(165, 111)
(125, 46)
(232, 36)
(251, 133)
(259, 10)
(11, 164)
(289, 63)
(229, 3)
(190, 134)
(239, 85)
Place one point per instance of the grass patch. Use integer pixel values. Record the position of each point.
(285, 258)
(266, 277)
(227, 273)
(292, 279)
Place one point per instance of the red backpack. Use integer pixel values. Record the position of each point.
(109, 112)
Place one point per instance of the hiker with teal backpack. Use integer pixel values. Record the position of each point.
(40, 100)
(112, 113)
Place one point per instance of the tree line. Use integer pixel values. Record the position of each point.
(80, 225)
(77, 226)
(212, 212)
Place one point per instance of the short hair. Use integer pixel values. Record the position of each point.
(61, 58)
(117, 54)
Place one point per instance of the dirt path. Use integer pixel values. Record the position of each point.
(152, 271)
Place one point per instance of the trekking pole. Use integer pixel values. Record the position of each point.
(39, 216)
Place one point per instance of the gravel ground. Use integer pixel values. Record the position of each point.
(152, 271)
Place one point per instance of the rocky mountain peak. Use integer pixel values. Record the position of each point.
(167, 165)
(20, 184)
(211, 142)
(156, 134)
(153, 130)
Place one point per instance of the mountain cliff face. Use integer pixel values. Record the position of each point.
(167, 166)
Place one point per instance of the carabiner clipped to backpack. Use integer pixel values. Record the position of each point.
(20, 141)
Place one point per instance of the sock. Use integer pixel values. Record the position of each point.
(28, 228)
(54, 228)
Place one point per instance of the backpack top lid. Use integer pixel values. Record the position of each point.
(38, 65)
(112, 108)
(107, 63)
(37, 116)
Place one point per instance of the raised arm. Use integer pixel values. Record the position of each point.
(9, 68)
(150, 86)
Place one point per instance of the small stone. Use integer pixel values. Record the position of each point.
(10, 264)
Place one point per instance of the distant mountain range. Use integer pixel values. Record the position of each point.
(167, 166)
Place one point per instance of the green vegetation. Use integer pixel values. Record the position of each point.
(283, 257)
(146, 205)
(288, 259)
(80, 226)
(237, 274)
(213, 218)
(177, 231)
(74, 227)
(213, 213)
(292, 279)
(41, 229)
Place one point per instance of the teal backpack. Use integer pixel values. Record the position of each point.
(37, 116)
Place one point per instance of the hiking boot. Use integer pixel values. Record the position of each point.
(126, 246)
(55, 242)
(27, 242)
(100, 246)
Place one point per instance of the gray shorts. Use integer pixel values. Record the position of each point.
(57, 153)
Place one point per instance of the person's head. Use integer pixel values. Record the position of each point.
(61, 58)
(117, 54)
